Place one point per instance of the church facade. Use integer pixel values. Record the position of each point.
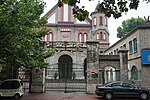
(69, 37)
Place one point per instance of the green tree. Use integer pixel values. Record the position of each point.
(108, 7)
(128, 25)
(21, 29)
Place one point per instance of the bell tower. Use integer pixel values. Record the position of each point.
(100, 29)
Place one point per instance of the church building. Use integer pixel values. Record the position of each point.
(69, 36)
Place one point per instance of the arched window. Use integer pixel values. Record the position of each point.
(101, 21)
(80, 37)
(130, 46)
(85, 37)
(106, 21)
(97, 36)
(135, 44)
(49, 37)
(95, 21)
(104, 36)
(101, 35)
(134, 73)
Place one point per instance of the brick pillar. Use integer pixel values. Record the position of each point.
(92, 65)
(123, 64)
(38, 81)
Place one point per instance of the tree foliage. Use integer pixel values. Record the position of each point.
(20, 33)
(108, 7)
(128, 25)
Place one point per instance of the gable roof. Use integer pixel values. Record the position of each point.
(51, 12)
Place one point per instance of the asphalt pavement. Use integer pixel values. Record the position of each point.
(62, 96)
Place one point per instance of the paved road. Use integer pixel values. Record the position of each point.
(59, 96)
(62, 96)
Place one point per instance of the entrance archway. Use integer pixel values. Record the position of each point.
(66, 81)
(65, 67)
(109, 74)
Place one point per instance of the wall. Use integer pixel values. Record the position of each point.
(109, 60)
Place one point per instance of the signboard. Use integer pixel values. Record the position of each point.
(145, 56)
(94, 74)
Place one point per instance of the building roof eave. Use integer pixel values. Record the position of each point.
(50, 11)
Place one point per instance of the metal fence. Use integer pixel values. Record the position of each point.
(76, 84)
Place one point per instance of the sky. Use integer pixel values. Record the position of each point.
(113, 24)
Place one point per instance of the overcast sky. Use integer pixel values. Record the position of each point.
(113, 24)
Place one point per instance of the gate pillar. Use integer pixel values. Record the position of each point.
(92, 65)
(38, 81)
(123, 64)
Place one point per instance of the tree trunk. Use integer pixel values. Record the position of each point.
(30, 80)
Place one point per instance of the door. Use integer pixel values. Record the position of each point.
(129, 90)
(65, 67)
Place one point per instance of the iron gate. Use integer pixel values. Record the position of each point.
(67, 79)
(66, 85)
